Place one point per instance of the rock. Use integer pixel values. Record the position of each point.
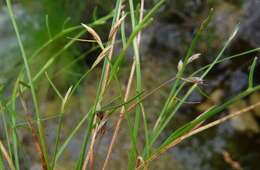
(238, 81)
(174, 28)
(255, 98)
(146, 39)
(188, 8)
(250, 27)
(225, 19)
(214, 98)
(246, 121)
(195, 96)
(168, 36)
(9, 51)
(36, 166)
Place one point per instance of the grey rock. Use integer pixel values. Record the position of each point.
(238, 81)
(36, 166)
(250, 27)
(168, 36)
(246, 122)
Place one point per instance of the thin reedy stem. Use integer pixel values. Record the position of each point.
(67, 31)
(13, 114)
(158, 131)
(118, 123)
(51, 60)
(29, 76)
(80, 124)
(5, 125)
(6, 156)
(173, 93)
(142, 108)
(102, 85)
(33, 131)
(64, 100)
(138, 70)
(121, 116)
(128, 88)
(196, 131)
(110, 71)
(90, 153)
(145, 22)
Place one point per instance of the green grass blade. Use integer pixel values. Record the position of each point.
(72, 134)
(53, 86)
(100, 92)
(54, 57)
(176, 108)
(48, 26)
(29, 76)
(138, 73)
(251, 74)
(209, 113)
(58, 134)
(174, 90)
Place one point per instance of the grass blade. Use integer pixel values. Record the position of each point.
(251, 74)
(168, 119)
(6, 156)
(29, 76)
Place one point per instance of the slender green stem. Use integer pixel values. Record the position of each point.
(29, 76)
(165, 123)
(100, 91)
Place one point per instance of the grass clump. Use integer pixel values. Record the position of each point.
(129, 107)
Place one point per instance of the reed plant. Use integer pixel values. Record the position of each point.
(130, 107)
